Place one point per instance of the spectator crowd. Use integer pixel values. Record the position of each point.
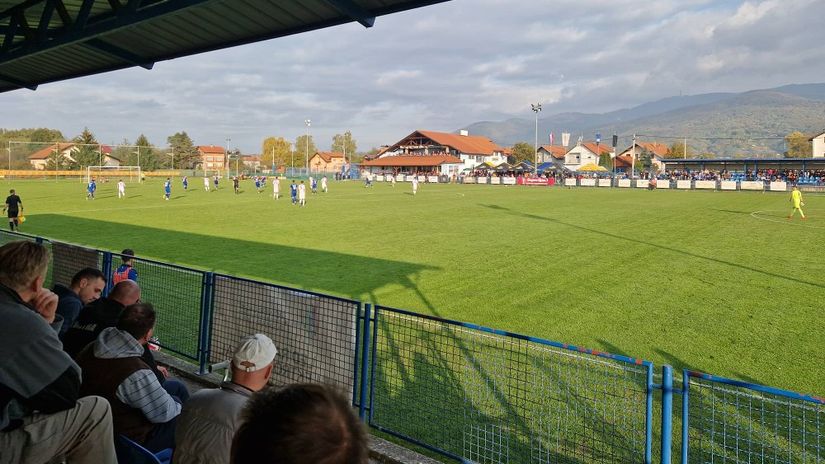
(79, 383)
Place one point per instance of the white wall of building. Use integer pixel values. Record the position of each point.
(819, 146)
(579, 156)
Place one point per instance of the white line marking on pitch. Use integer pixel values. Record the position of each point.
(794, 222)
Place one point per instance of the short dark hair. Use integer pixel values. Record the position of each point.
(127, 254)
(298, 424)
(137, 319)
(88, 273)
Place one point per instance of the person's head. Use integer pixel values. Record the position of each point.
(88, 283)
(11, 191)
(139, 321)
(126, 255)
(23, 267)
(126, 292)
(297, 424)
(120, 180)
(302, 182)
(252, 361)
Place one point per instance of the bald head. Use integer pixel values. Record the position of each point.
(126, 293)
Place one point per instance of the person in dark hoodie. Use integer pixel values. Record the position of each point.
(98, 315)
(86, 286)
(42, 416)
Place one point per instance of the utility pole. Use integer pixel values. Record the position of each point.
(536, 109)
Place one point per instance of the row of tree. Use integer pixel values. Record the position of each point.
(278, 151)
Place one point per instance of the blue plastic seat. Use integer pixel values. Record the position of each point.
(129, 452)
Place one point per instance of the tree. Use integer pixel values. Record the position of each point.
(89, 150)
(344, 143)
(148, 159)
(275, 150)
(605, 160)
(56, 161)
(302, 149)
(798, 145)
(182, 151)
(677, 150)
(523, 151)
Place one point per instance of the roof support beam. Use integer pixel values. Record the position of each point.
(17, 82)
(45, 19)
(120, 53)
(354, 11)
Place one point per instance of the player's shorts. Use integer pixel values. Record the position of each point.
(13, 213)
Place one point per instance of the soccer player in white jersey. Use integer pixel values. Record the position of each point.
(276, 187)
(324, 184)
(415, 184)
(121, 189)
(206, 183)
(302, 194)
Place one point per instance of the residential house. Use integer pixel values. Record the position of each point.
(583, 154)
(327, 161)
(469, 150)
(40, 159)
(818, 142)
(213, 158)
(657, 151)
(552, 154)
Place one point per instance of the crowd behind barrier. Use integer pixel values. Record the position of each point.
(469, 392)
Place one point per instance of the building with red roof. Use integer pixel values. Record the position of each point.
(40, 159)
(444, 152)
(213, 157)
(327, 161)
(584, 153)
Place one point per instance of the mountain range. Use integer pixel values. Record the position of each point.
(751, 123)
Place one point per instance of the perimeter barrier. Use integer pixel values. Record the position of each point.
(467, 392)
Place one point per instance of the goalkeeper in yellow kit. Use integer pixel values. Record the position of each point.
(796, 199)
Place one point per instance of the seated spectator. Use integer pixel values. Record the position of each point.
(125, 271)
(112, 368)
(99, 315)
(86, 286)
(211, 416)
(41, 417)
(299, 424)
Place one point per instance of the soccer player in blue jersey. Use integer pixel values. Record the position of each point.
(314, 185)
(293, 192)
(258, 184)
(90, 189)
(167, 188)
(185, 183)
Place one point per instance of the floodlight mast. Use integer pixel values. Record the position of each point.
(308, 122)
(536, 109)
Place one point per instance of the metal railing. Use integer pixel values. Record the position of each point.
(468, 392)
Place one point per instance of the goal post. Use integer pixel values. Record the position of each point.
(127, 173)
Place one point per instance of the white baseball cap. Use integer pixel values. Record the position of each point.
(255, 352)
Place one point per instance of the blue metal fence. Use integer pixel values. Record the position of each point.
(468, 392)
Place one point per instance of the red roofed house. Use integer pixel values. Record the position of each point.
(429, 151)
(657, 151)
(327, 161)
(584, 153)
(552, 154)
(213, 158)
(40, 159)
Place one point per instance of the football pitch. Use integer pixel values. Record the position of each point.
(719, 282)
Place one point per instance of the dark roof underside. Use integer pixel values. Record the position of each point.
(51, 40)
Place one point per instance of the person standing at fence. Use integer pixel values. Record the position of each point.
(211, 417)
(796, 200)
(300, 423)
(14, 207)
(42, 414)
(206, 182)
(125, 271)
(302, 194)
(276, 187)
(85, 287)
(121, 189)
(90, 189)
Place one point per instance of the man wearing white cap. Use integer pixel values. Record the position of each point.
(211, 416)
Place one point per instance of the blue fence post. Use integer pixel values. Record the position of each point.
(107, 271)
(667, 412)
(365, 350)
(685, 415)
(649, 417)
(205, 329)
(38, 240)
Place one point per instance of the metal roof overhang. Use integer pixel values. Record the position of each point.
(45, 41)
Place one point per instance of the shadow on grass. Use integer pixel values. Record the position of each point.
(656, 245)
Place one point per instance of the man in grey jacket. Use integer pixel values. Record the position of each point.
(112, 368)
(41, 417)
(211, 417)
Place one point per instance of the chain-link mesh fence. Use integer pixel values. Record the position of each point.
(730, 424)
(314, 334)
(492, 398)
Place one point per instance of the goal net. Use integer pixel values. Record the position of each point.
(113, 173)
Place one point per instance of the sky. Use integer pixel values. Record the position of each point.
(442, 68)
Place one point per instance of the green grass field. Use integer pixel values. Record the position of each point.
(719, 282)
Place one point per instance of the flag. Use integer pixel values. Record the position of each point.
(551, 138)
(598, 138)
(565, 139)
